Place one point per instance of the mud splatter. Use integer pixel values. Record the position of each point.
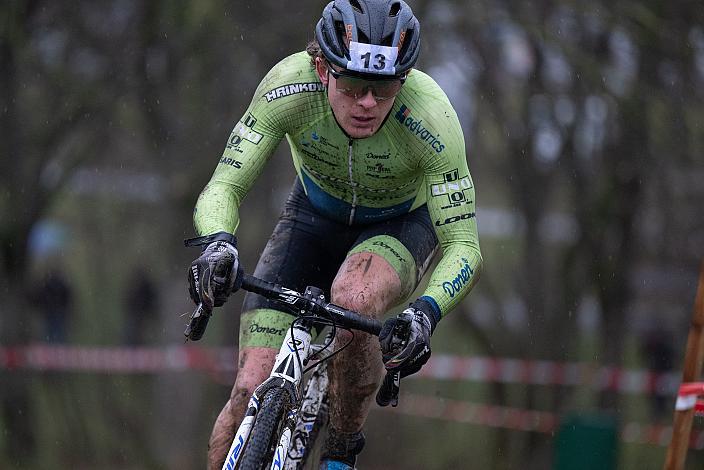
(243, 359)
(369, 263)
(368, 285)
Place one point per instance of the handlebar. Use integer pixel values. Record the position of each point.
(312, 301)
(388, 393)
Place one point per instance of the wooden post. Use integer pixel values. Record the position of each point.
(694, 355)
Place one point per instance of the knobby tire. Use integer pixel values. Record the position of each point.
(258, 452)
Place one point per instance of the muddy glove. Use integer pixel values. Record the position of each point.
(405, 339)
(216, 273)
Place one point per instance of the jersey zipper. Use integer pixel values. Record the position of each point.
(353, 185)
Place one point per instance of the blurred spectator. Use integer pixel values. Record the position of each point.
(658, 353)
(54, 300)
(141, 300)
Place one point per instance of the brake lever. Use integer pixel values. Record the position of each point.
(390, 387)
(197, 323)
(389, 390)
(401, 332)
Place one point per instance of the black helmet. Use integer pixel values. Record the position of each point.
(356, 24)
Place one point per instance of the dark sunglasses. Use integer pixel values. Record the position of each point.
(356, 87)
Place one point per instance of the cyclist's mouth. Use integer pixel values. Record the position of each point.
(362, 120)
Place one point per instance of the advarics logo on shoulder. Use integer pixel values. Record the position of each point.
(404, 117)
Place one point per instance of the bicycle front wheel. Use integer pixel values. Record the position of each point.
(259, 450)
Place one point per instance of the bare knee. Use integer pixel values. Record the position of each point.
(366, 283)
(254, 367)
(239, 396)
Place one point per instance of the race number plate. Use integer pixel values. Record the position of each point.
(370, 58)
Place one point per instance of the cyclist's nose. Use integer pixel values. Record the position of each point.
(367, 100)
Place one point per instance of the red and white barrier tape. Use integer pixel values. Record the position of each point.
(517, 419)
(46, 357)
(518, 371)
(440, 367)
(688, 397)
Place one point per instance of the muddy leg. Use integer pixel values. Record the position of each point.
(254, 367)
(367, 284)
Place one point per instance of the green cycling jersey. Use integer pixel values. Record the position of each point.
(417, 156)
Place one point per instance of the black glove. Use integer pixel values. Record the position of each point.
(405, 340)
(215, 274)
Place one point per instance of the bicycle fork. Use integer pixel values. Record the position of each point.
(242, 434)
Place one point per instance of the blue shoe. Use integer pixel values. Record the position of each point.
(341, 449)
(334, 465)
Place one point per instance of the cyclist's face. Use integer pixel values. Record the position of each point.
(359, 116)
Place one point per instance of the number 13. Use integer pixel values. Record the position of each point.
(380, 63)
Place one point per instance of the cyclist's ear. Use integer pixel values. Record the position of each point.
(322, 70)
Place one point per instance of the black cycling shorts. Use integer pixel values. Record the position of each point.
(307, 249)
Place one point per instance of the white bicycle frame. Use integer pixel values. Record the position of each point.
(287, 373)
(288, 367)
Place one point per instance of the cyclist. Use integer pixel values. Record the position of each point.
(382, 180)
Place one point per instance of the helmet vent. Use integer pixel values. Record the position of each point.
(340, 29)
(355, 4)
(395, 8)
(406, 42)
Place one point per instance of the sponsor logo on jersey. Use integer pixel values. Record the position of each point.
(453, 219)
(378, 156)
(452, 287)
(453, 188)
(231, 161)
(318, 158)
(403, 115)
(319, 148)
(378, 168)
(244, 130)
(292, 89)
(316, 138)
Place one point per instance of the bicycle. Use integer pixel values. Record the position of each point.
(282, 421)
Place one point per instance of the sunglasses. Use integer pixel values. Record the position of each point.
(356, 87)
